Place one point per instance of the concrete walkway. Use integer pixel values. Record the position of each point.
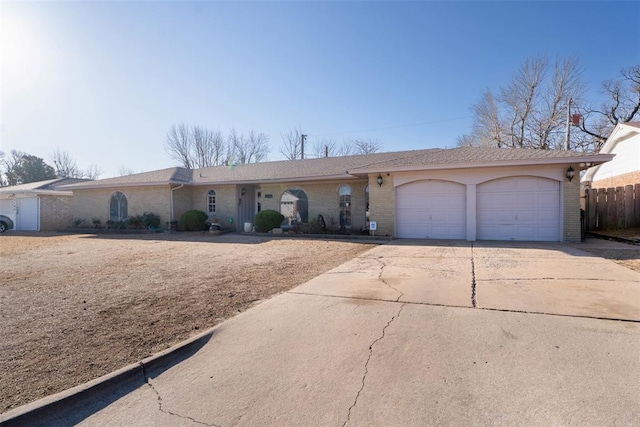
(413, 333)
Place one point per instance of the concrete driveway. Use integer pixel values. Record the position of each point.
(410, 333)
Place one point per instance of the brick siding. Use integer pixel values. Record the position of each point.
(571, 209)
(631, 178)
(382, 204)
(55, 212)
(94, 203)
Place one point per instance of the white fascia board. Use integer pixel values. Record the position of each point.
(33, 193)
(277, 180)
(72, 187)
(598, 158)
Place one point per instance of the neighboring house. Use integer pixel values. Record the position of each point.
(624, 169)
(464, 193)
(38, 206)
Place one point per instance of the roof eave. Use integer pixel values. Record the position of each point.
(278, 180)
(95, 185)
(38, 193)
(598, 158)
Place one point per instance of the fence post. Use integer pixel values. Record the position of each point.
(591, 203)
(628, 206)
(601, 209)
(612, 214)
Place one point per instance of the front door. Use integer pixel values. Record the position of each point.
(246, 195)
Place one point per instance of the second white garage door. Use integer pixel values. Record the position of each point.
(431, 209)
(519, 208)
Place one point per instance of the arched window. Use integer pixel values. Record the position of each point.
(118, 207)
(211, 201)
(344, 202)
(294, 205)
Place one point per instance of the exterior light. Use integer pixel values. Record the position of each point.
(570, 173)
(379, 180)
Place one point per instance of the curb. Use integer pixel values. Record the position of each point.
(73, 405)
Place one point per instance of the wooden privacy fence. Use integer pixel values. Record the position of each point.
(612, 208)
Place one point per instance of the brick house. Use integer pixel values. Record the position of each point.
(38, 206)
(466, 193)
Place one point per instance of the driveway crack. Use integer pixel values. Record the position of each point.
(473, 279)
(184, 417)
(366, 365)
(383, 266)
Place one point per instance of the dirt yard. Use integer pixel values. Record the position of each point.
(75, 307)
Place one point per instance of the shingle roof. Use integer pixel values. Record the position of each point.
(473, 157)
(176, 175)
(634, 124)
(336, 167)
(325, 167)
(48, 185)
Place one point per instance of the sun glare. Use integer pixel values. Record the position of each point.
(20, 52)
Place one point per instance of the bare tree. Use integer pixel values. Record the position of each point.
(326, 147)
(208, 147)
(366, 145)
(530, 111)
(199, 147)
(66, 166)
(179, 144)
(124, 171)
(622, 105)
(92, 172)
(291, 147)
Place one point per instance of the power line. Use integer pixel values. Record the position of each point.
(392, 127)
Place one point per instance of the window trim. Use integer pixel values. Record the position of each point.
(208, 201)
(344, 212)
(119, 196)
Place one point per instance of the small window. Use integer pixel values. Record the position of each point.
(211, 201)
(344, 202)
(118, 207)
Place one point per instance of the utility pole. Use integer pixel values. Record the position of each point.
(568, 131)
(303, 138)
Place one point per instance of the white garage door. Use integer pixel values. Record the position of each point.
(431, 210)
(27, 214)
(519, 208)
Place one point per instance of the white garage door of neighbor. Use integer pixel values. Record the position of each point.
(431, 209)
(27, 214)
(519, 208)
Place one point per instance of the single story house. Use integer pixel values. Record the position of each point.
(38, 206)
(466, 193)
(624, 169)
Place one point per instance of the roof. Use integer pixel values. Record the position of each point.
(474, 157)
(175, 175)
(50, 186)
(347, 167)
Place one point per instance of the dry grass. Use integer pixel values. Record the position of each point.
(75, 307)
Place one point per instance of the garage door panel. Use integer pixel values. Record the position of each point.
(431, 209)
(519, 208)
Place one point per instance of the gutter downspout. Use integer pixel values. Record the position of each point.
(171, 202)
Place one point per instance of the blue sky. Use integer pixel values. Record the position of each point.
(105, 81)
